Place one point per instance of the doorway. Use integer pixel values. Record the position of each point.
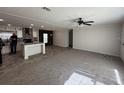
(46, 36)
(70, 38)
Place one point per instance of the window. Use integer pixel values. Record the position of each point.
(5, 35)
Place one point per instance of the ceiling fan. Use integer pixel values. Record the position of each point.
(79, 21)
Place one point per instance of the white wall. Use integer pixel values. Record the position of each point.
(122, 42)
(60, 38)
(103, 39)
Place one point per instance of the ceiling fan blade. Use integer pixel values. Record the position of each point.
(75, 20)
(89, 22)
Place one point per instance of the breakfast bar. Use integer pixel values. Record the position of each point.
(32, 49)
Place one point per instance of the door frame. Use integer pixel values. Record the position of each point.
(50, 36)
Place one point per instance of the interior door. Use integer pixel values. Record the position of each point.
(71, 38)
(122, 44)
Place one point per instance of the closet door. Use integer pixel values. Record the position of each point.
(71, 38)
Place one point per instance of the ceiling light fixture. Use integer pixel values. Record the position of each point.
(1, 20)
(32, 24)
(9, 24)
(30, 27)
(42, 26)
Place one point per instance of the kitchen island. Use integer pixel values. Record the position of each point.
(30, 49)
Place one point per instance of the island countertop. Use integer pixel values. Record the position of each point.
(32, 49)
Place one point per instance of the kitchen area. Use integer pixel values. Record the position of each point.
(28, 41)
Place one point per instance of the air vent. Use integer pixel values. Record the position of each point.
(47, 9)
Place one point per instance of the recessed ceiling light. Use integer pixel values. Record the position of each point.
(1, 20)
(9, 24)
(30, 27)
(32, 24)
(41, 26)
